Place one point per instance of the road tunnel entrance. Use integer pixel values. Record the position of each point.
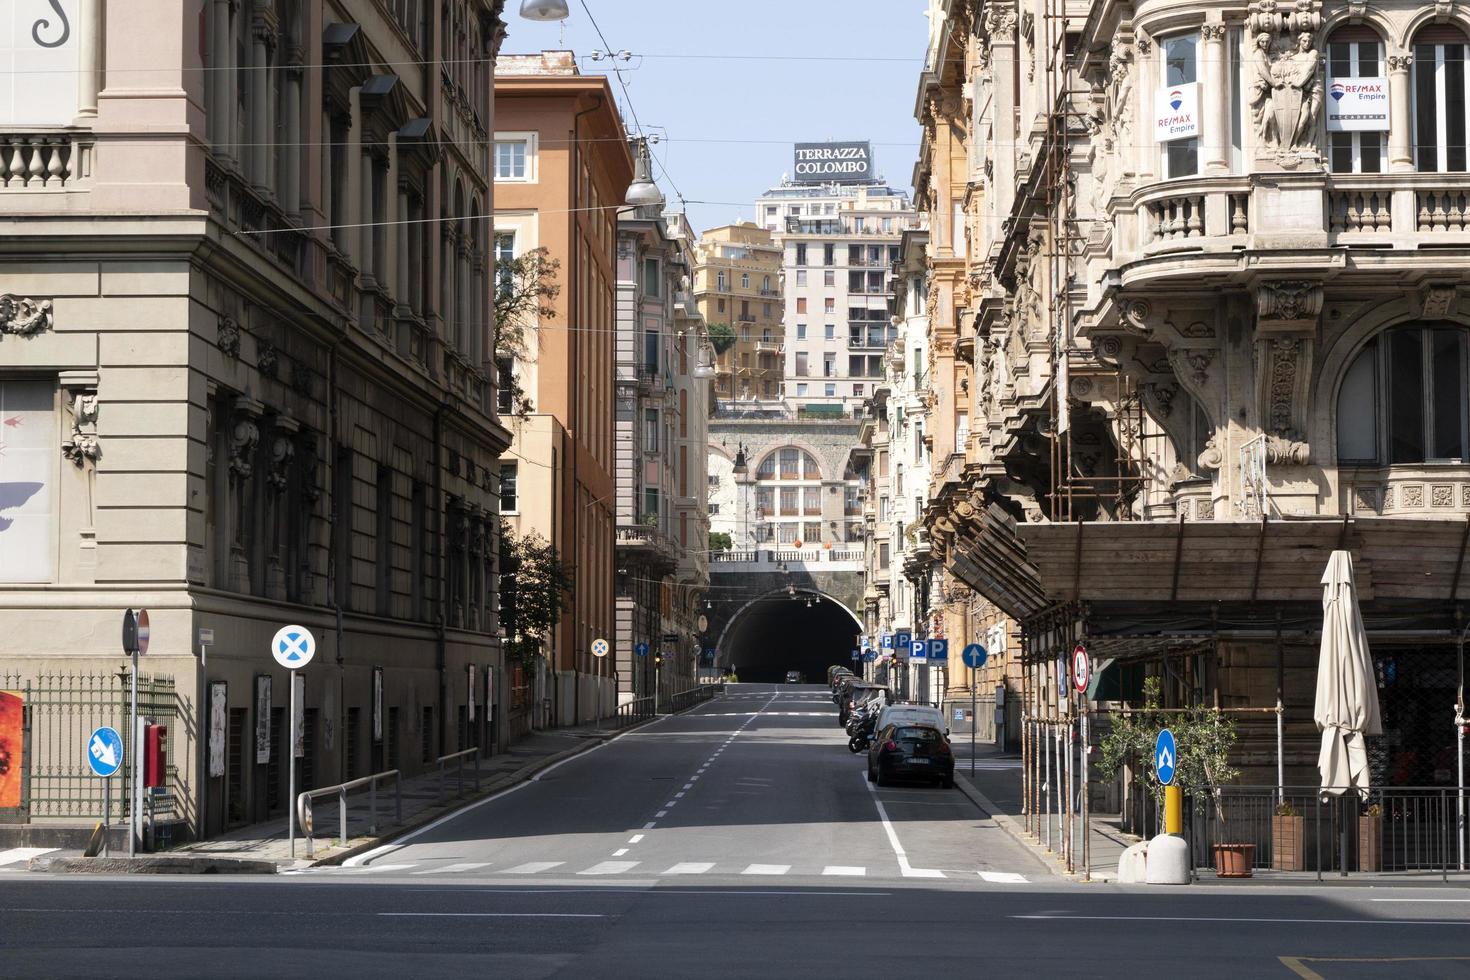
(778, 633)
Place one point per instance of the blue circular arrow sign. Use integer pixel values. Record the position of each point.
(975, 655)
(1166, 756)
(105, 751)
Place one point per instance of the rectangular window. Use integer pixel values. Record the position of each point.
(509, 488)
(829, 366)
(1440, 123)
(801, 304)
(801, 364)
(883, 555)
(831, 331)
(384, 541)
(1181, 67)
(721, 284)
(829, 278)
(1406, 415)
(801, 390)
(858, 391)
(1447, 394)
(829, 305)
(830, 391)
(789, 502)
(510, 159)
(801, 331)
(650, 430)
(1355, 153)
(28, 454)
(650, 278)
(801, 254)
(829, 257)
(505, 256)
(801, 277)
(855, 282)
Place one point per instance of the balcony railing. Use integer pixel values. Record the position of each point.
(52, 160)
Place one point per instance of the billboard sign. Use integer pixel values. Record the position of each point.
(1357, 105)
(833, 163)
(1176, 112)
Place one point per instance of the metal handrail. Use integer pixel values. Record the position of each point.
(460, 756)
(303, 804)
(636, 710)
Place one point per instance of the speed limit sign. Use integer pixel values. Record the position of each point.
(1081, 669)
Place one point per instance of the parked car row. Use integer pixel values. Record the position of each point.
(902, 740)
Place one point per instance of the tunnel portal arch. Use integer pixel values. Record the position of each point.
(774, 633)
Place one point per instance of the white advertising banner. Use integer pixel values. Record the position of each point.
(1176, 112)
(40, 48)
(219, 696)
(1357, 105)
(28, 465)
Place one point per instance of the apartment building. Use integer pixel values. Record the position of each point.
(838, 243)
(562, 170)
(737, 286)
(243, 376)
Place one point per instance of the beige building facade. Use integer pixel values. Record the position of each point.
(737, 283)
(244, 384)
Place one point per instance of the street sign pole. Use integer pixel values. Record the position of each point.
(291, 774)
(136, 773)
(292, 647)
(106, 811)
(974, 716)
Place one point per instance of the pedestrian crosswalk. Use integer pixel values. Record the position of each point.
(16, 858)
(680, 869)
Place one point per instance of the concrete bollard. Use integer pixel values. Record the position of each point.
(1168, 861)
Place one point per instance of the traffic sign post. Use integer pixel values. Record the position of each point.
(918, 652)
(135, 635)
(974, 657)
(1081, 669)
(292, 647)
(1166, 756)
(105, 756)
(600, 649)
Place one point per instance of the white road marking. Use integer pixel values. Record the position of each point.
(378, 869)
(454, 868)
(1003, 878)
(903, 859)
(767, 869)
(1417, 901)
(1055, 917)
(841, 869)
(493, 915)
(635, 838)
(533, 868)
(690, 785)
(15, 855)
(649, 826)
(661, 814)
(689, 868)
(620, 852)
(677, 796)
(609, 868)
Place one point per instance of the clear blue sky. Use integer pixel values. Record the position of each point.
(729, 79)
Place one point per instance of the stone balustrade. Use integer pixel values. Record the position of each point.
(49, 161)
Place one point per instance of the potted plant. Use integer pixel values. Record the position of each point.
(1370, 839)
(1204, 738)
(1288, 852)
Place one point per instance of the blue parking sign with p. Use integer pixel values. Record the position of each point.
(938, 649)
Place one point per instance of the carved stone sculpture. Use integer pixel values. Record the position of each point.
(82, 445)
(1286, 81)
(22, 316)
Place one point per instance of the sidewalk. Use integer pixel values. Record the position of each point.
(422, 803)
(996, 788)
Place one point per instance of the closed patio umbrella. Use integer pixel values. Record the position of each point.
(1347, 694)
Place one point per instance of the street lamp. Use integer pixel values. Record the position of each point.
(643, 192)
(545, 9)
(704, 365)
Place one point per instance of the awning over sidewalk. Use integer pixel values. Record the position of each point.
(1221, 561)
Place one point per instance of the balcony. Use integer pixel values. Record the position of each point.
(834, 559)
(770, 293)
(770, 347)
(647, 542)
(46, 161)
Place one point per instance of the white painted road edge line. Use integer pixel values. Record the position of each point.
(1055, 917)
(493, 915)
(903, 859)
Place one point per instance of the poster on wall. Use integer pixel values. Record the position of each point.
(377, 704)
(1357, 105)
(28, 466)
(1176, 112)
(40, 47)
(218, 712)
(471, 687)
(329, 717)
(12, 747)
(489, 693)
(298, 716)
(262, 719)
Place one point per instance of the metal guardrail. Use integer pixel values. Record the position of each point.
(634, 711)
(303, 804)
(472, 752)
(694, 695)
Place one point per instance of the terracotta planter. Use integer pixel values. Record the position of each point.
(1370, 843)
(1234, 860)
(1288, 851)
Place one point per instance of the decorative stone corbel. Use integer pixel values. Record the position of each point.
(283, 451)
(1135, 314)
(1438, 300)
(24, 317)
(228, 339)
(82, 445)
(244, 437)
(1292, 305)
(1284, 377)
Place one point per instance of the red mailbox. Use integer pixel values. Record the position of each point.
(155, 755)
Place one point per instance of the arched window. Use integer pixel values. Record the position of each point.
(789, 498)
(1441, 99)
(1404, 398)
(1354, 52)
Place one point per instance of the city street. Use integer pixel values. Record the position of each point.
(740, 839)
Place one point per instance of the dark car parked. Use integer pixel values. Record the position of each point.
(911, 752)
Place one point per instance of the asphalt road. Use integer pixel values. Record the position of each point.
(739, 840)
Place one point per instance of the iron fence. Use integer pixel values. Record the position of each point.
(60, 712)
(634, 711)
(695, 695)
(1405, 830)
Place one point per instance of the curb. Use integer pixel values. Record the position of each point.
(501, 784)
(1010, 826)
(154, 865)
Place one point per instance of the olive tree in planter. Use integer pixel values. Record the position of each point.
(1203, 738)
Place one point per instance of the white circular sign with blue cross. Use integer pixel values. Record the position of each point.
(293, 647)
(599, 648)
(105, 751)
(1166, 756)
